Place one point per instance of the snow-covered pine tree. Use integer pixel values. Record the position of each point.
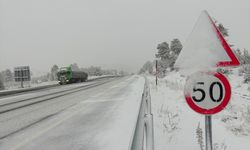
(7, 75)
(176, 48)
(164, 55)
(244, 59)
(54, 70)
(223, 30)
(1, 82)
(246, 56)
(239, 56)
(163, 51)
(246, 72)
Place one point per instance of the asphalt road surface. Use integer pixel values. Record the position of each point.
(100, 114)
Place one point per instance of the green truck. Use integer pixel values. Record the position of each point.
(66, 75)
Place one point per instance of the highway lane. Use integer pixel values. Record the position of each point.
(100, 117)
(51, 89)
(11, 104)
(18, 101)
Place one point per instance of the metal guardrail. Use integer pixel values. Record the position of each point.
(143, 138)
(17, 91)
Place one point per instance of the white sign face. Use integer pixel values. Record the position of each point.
(205, 48)
(207, 93)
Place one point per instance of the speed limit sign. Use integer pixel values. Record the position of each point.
(207, 92)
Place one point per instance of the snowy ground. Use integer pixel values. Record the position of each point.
(177, 126)
(104, 118)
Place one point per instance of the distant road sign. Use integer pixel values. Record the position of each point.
(207, 92)
(22, 73)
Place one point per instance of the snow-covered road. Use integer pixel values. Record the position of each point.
(100, 117)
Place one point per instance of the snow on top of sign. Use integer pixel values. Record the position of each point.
(204, 48)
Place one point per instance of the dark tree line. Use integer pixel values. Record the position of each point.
(6, 76)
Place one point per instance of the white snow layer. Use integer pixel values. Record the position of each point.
(202, 49)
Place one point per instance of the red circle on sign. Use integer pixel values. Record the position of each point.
(218, 108)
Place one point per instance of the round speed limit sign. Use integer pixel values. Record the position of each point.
(207, 92)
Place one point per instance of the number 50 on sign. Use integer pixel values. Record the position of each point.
(207, 92)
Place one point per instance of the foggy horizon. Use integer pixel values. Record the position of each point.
(120, 35)
(124, 74)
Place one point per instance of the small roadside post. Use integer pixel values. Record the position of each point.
(156, 72)
(206, 92)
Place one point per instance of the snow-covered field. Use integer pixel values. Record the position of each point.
(178, 127)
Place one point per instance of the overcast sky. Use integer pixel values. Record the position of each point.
(108, 33)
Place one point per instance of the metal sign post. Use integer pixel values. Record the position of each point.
(21, 78)
(21, 83)
(207, 93)
(208, 128)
